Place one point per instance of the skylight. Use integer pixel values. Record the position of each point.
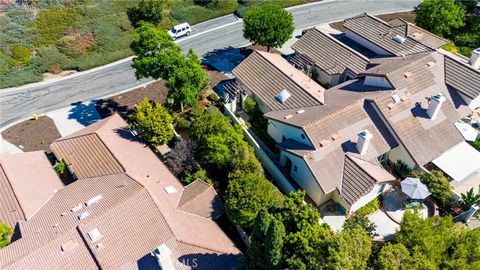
(283, 96)
(93, 200)
(95, 235)
(399, 39)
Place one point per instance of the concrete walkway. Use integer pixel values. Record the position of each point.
(6, 147)
(71, 119)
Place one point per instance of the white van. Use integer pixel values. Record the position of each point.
(180, 30)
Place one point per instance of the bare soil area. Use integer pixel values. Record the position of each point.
(32, 135)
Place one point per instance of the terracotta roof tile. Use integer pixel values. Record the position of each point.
(200, 199)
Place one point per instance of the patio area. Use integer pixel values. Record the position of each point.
(334, 215)
(394, 202)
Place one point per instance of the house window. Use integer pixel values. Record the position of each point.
(303, 136)
(295, 168)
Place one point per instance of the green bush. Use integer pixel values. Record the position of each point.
(61, 168)
(16, 76)
(183, 123)
(401, 169)
(213, 97)
(197, 111)
(250, 104)
(476, 144)
(21, 54)
(5, 233)
(450, 47)
(369, 208)
(466, 51)
(198, 175)
(48, 56)
(51, 23)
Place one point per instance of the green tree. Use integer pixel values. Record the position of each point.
(441, 17)
(157, 56)
(255, 255)
(244, 161)
(154, 122)
(356, 220)
(438, 185)
(351, 250)
(268, 25)
(187, 79)
(470, 198)
(246, 196)
(274, 244)
(394, 257)
(5, 233)
(217, 137)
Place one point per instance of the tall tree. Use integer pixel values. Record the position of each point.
(441, 17)
(210, 131)
(394, 257)
(150, 11)
(351, 250)
(255, 255)
(246, 196)
(157, 56)
(268, 25)
(274, 245)
(154, 122)
(181, 160)
(5, 233)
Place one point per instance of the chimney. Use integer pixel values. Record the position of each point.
(435, 105)
(475, 59)
(363, 141)
(163, 255)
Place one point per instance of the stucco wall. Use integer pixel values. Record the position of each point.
(400, 153)
(471, 103)
(277, 129)
(326, 79)
(304, 177)
(366, 43)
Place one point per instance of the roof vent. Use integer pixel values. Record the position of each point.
(300, 111)
(399, 39)
(288, 116)
(475, 58)
(76, 208)
(93, 200)
(69, 245)
(170, 189)
(430, 64)
(396, 98)
(95, 235)
(336, 136)
(407, 74)
(283, 96)
(83, 215)
(324, 143)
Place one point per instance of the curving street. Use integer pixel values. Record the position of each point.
(21, 102)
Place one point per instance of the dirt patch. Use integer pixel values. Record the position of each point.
(408, 16)
(124, 104)
(32, 135)
(215, 75)
(246, 51)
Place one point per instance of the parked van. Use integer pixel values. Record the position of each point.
(180, 30)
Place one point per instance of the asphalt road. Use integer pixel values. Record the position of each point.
(21, 102)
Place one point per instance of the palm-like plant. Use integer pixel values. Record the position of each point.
(470, 198)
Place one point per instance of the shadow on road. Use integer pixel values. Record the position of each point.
(85, 114)
(223, 60)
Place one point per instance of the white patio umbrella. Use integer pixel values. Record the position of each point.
(414, 188)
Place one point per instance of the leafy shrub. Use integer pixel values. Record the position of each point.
(76, 44)
(51, 23)
(183, 123)
(55, 68)
(466, 51)
(16, 76)
(401, 169)
(21, 54)
(249, 104)
(476, 144)
(467, 40)
(181, 160)
(470, 198)
(5, 233)
(369, 208)
(356, 220)
(198, 175)
(450, 46)
(61, 168)
(213, 97)
(197, 111)
(154, 122)
(49, 56)
(439, 186)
